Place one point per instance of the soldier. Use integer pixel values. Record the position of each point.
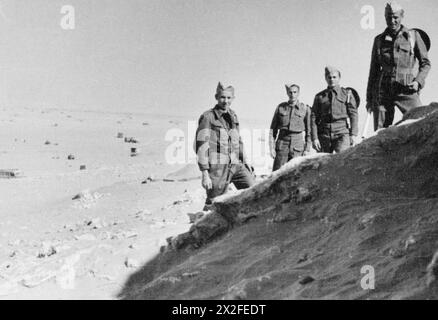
(219, 148)
(290, 120)
(392, 80)
(332, 109)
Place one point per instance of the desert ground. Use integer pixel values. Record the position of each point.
(86, 218)
(67, 233)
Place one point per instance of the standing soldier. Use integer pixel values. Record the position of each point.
(219, 148)
(290, 120)
(332, 109)
(392, 80)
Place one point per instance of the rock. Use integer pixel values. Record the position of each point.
(366, 220)
(82, 167)
(130, 140)
(193, 217)
(306, 280)
(46, 250)
(396, 253)
(95, 223)
(410, 241)
(131, 263)
(47, 142)
(302, 194)
(303, 257)
(70, 157)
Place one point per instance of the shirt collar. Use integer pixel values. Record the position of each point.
(293, 104)
(336, 89)
(403, 31)
(219, 112)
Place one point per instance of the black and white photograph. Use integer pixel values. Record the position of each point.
(218, 150)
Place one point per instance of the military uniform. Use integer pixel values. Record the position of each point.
(392, 68)
(288, 124)
(331, 111)
(219, 149)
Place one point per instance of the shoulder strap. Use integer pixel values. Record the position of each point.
(412, 40)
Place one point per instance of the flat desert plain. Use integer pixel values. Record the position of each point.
(67, 233)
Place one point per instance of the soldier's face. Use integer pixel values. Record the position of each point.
(332, 79)
(394, 20)
(224, 99)
(293, 93)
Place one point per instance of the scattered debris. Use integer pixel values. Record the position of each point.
(150, 178)
(71, 157)
(134, 152)
(46, 250)
(130, 140)
(131, 263)
(119, 135)
(10, 173)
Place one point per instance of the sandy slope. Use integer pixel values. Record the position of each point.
(83, 244)
(307, 231)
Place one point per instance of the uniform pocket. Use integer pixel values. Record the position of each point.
(282, 145)
(405, 48)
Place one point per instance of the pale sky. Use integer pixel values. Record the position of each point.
(168, 55)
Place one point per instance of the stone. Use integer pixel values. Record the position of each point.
(46, 250)
(306, 280)
(131, 263)
(193, 217)
(303, 257)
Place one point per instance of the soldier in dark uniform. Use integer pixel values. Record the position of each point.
(219, 148)
(290, 120)
(332, 109)
(393, 79)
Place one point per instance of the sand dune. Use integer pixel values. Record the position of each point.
(308, 231)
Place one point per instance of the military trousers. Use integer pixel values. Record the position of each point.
(287, 148)
(336, 142)
(222, 175)
(393, 95)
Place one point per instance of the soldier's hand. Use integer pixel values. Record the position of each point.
(354, 140)
(272, 151)
(206, 181)
(316, 145)
(306, 150)
(414, 86)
